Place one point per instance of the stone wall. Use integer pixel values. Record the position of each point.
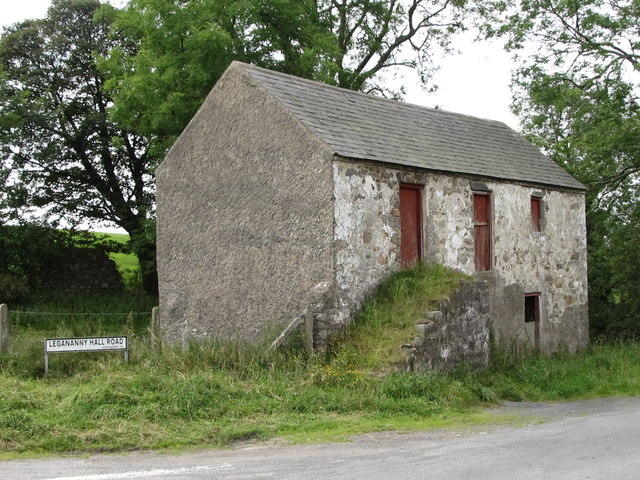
(83, 270)
(551, 262)
(457, 333)
(448, 211)
(245, 218)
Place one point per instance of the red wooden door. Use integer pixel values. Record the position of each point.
(410, 224)
(482, 231)
(536, 214)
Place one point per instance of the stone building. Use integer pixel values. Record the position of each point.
(284, 195)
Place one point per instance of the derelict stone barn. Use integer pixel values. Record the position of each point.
(284, 195)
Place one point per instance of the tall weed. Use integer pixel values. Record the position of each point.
(218, 392)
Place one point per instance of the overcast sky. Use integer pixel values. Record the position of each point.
(474, 82)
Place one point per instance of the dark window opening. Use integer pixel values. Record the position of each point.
(532, 315)
(531, 308)
(536, 214)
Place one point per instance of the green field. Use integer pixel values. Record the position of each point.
(127, 263)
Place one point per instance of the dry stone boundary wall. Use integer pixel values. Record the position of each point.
(83, 270)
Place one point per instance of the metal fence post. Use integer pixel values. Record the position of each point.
(4, 328)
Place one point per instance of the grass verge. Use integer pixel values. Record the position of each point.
(217, 393)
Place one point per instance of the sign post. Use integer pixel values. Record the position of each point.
(89, 344)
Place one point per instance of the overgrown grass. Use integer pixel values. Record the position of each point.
(218, 393)
(605, 369)
(214, 395)
(56, 315)
(388, 319)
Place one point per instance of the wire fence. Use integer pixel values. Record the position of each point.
(86, 314)
(9, 317)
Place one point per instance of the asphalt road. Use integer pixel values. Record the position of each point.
(597, 439)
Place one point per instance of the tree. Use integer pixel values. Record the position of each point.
(183, 48)
(577, 98)
(91, 98)
(66, 156)
(580, 82)
(159, 78)
(376, 35)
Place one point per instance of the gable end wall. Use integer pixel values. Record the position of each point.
(245, 219)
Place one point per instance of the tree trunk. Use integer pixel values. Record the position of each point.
(144, 246)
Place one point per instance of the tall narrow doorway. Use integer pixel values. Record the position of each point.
(482, 230)
(410, 224)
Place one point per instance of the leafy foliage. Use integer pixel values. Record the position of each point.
(159, 77)
(27, 250)
(376, 35)
(66, 155)
(614, 290)
(12, 288)
(577, 98)
(178, 50)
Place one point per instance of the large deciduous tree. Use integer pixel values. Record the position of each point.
(92, 97)
(66, 156)
(577, 97)
(375, 36)
(184, 46)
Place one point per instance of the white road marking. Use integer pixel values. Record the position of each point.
(159, 472)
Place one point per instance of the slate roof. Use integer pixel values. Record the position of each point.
(360, 126)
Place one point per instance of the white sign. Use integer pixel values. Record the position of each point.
(59, 345)
(91, 344)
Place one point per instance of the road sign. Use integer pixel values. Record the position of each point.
(88, 344)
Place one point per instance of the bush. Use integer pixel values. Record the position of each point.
(28, 251)
(12, 288)
(25, 250)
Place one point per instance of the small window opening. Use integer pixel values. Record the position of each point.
(536, 214)
(532, 315)
(531, 308)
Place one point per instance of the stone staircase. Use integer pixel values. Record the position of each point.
(454, 334)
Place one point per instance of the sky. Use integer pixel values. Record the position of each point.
(474, 82)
